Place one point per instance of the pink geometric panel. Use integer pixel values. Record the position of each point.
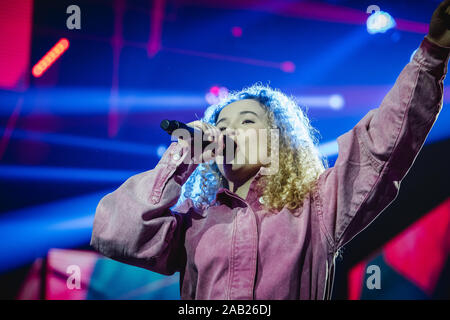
(60, 266)
(419, 253)
(15, 42)
(355, 280)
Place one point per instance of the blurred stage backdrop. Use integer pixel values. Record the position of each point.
(81, 102)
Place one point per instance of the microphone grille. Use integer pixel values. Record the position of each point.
(165, 124)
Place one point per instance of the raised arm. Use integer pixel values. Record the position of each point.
(134, 224)
(378, 152)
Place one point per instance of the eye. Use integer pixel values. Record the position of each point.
(248, 121)
(221, 129)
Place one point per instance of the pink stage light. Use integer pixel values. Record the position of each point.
(236, 32)
(214, 90)
(216, 94)
(288, 66)
(50, 57)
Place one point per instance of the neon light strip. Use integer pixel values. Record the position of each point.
(156, 21)
(50, 57)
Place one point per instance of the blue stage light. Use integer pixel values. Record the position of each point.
(28, 233)
(160, 150)
(41, 173)
(84, 142)
(380, 22)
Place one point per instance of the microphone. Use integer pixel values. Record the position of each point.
(171, 125)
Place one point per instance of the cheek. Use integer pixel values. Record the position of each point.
(261, 146)
(256, 147)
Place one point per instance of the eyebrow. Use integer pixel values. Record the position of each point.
(242, 112)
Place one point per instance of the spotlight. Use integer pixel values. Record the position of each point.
(160, 150)
(236, 32)
(380, 22)
(336, 101)
(216, 94)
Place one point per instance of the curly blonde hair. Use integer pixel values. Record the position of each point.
(300, 163)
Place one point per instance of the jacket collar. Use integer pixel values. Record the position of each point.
(227, 197)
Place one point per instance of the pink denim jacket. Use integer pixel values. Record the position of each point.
(230, 251)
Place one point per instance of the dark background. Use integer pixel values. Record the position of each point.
(93, 118)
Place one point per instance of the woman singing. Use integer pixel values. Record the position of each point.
(238, 231)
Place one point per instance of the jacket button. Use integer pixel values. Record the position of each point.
(176, 157)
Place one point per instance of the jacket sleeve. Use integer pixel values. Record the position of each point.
(134, 223)
(378, 152)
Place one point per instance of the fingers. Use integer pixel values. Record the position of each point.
(214, 135)
(210, 133)
(445, 3)
(196, 124)
(208, 156)
(183, 143)
(444, 6)
(208, 129)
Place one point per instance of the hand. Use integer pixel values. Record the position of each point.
(440, 25)
(210, 133)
